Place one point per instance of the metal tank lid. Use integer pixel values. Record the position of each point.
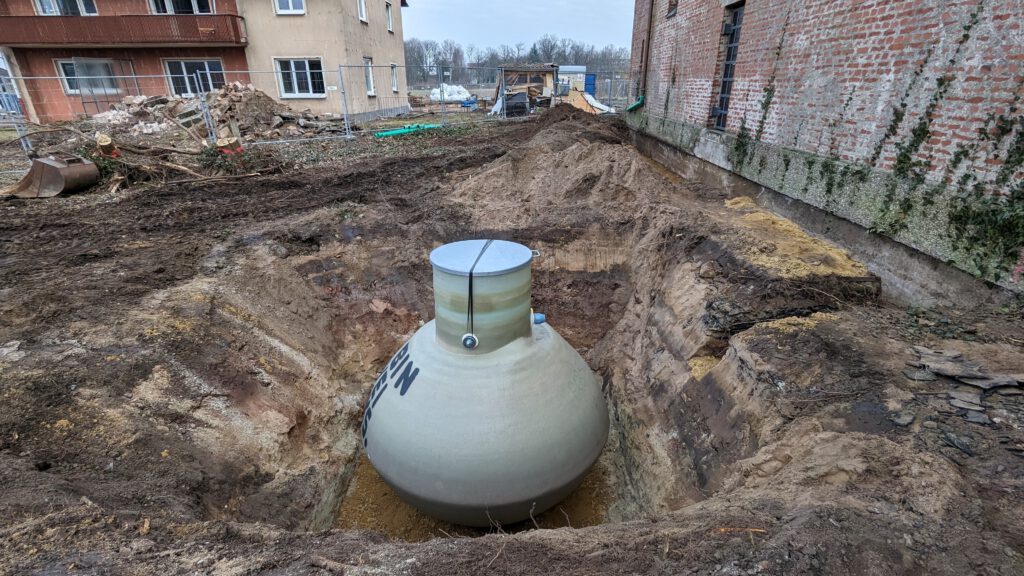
(482, 257)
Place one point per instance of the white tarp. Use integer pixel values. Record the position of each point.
(597, 105)
(498, 104)
(449, 93)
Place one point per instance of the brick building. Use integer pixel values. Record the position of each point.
(84, 54)
(902, 116)
(74, 57)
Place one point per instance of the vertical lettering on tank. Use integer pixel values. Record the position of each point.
(406, 379)
(399, 363)
(400, 357)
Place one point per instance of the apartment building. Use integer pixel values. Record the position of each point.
(81, 55)
(75, 57)
(304, 42)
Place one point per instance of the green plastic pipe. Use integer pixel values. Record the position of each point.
(636, 105)
(405, 130)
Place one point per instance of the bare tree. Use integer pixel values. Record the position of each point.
(429, 61)
(547, 48)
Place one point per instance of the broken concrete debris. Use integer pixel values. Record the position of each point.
(904, 418)
(995, 381)
(957, 442)
(236, 109)
(975, 417)
(952, 364)
(919, 375)
(966, 396)
(966, 405)
(970, 384)
(10, 352)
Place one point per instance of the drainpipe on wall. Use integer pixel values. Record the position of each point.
(643, 60)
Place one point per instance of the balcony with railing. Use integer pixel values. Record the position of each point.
(141, 30)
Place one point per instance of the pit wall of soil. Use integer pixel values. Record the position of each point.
(689, 398)
(908, 276)
(901, 207)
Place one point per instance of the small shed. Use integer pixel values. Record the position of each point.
(536, 80)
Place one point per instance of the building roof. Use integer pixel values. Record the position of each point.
(530, 67)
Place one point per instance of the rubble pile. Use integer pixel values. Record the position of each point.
(237, 110)
(115, 116)
(147, 114)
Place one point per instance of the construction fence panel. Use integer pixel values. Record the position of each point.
(608, 88)
(612, 89)
(12, 113)
(470, 93)
(391, 94)
(298, 101)
(376, 93)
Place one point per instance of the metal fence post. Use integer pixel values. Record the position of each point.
(501, 93)
(344, 102)
(211, 128)
(22, 130)
(440, 92)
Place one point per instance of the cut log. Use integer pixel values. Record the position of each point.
(105, 144)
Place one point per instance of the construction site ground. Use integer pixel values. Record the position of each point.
(183, 369)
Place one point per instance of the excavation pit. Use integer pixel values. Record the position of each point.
(189, 381)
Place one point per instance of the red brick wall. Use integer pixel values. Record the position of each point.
(841, 69)
(104, 7)
(885, 112)
(47, 93)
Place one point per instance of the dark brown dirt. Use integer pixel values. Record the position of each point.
(190, 365)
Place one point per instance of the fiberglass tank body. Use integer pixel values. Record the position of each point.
(486, 415)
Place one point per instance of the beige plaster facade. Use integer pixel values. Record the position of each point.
(335, 33)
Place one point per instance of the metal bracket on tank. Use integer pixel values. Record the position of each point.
(470, 341)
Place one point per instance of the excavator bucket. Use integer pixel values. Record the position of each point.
(50, 176)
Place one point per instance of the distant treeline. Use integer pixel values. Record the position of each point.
(425, 57)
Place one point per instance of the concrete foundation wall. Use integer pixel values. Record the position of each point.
(903, 117)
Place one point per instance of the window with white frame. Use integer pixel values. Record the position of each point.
(66, 7)
(88, 76)
(368, 75)
(301, 78)
(290, 6)
(394, 78)
(189, 77)
(181, 6)
(388, 15)
(361, 8)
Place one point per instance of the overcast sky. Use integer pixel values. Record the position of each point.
(495, 22)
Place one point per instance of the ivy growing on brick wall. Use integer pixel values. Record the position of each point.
(986, 220)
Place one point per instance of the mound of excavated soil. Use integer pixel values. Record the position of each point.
(182, 374)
